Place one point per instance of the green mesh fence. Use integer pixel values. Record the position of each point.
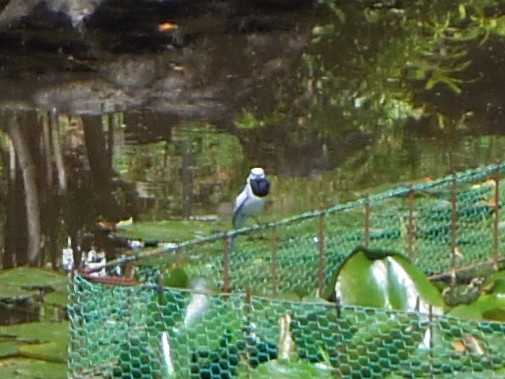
(232, 327)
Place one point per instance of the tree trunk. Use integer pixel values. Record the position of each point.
(58, 154)
(47, 151)
(52, 202)
(9, 257)
(110, 138)
(98, 157)
(187, 179)
(27, 167)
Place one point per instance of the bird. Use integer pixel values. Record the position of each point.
(251, 200)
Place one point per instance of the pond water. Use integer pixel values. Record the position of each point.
(160, 112)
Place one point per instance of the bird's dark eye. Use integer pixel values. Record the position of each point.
(260, 187)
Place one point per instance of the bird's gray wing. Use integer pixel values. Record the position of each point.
(238, 216)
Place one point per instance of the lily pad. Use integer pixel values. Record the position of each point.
(381, 279)
(31, 369)
(486, 307)
(170, 230)
(57, 298)
(288, 369)
(33, 278)
(50, 352)
(8, 349)
(10, 293)
(37, 331)
(495, 283)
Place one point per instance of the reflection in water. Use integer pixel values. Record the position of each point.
(74, 173)
(331, 103)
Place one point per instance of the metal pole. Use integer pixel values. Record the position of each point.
(496, 221)
(366, 236)
(322, 262)
(226, 265)
(411, 224)
(274, 261)
(430, 317)
(248, 327)
(454, 229)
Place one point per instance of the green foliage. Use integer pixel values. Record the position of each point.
(371, 81)
(247, 120)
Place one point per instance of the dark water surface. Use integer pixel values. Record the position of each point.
(120, 120)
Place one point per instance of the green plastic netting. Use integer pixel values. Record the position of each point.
(230, 327)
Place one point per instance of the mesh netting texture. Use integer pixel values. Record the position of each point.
(229, 327)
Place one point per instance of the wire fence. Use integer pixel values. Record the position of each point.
(228, 326)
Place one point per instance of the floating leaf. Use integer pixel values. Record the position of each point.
(37, 331)
(8, 349)
(21, 368)
(486, 307)
(50, 352)
(383, 279)
(32, 278)
(287, 369)
(57, 298)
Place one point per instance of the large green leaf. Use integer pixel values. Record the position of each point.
(384, 280)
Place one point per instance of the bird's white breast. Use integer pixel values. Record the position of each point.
(248, 202)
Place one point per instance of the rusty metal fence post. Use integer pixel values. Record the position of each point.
(454, 228)
(226, 265)
(247, 309)
(322, 261)
(366, 223)
(430, 331)
(411, 224)
(496, 221)
(275, 279)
